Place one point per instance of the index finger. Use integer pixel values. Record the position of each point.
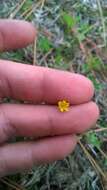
(39, 84)
(15, 34)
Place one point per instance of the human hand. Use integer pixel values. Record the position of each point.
(56, 131)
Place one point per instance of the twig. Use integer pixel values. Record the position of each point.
(92, 161)
(11, 184)
(19, 6)
(103, 153)
(31, 10)
(26, 11)
(100, 130)
(102, 20)
(46, 55)
(34, 51)
(81, 44)
(42, 5)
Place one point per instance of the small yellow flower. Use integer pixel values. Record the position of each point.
(63, 106)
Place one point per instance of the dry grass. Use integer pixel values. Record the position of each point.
(86, 168)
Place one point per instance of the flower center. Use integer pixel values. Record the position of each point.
(63, 106)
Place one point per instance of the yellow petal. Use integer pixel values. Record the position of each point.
(63, 106)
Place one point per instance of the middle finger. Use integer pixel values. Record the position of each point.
(44, 120)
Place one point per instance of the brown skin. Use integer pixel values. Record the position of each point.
(37, 85)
